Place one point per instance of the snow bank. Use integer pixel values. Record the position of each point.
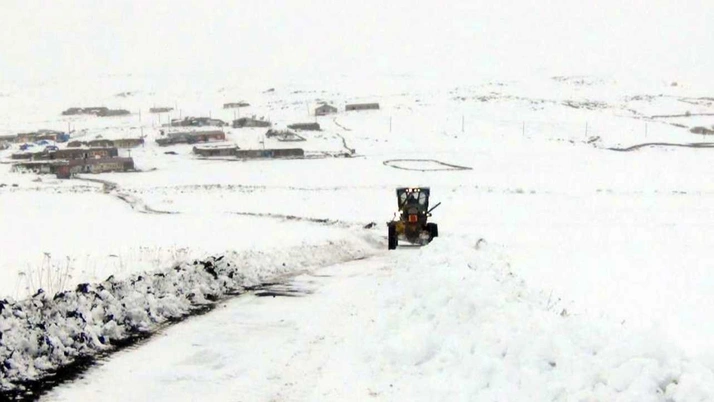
(472, 330)
(42, 334)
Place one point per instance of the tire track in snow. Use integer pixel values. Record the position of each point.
(393, 163)
(340, 125)
(321, 221)
(345, 146)
(136, 203)
(664, 144)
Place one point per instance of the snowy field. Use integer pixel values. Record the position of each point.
(564, 271)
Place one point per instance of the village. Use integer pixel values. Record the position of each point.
(65, 154)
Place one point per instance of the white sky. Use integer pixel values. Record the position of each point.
(69, 38)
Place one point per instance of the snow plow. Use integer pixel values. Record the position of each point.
(410, 221)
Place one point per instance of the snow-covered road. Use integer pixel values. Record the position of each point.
(445, 322)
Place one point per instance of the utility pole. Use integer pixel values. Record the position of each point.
(523, 130)
(586, 129)
(645, 130)
(390, 124)
(462, 123)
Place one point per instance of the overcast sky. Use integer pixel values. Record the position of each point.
(69, 38)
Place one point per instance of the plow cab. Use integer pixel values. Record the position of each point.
(411, 221)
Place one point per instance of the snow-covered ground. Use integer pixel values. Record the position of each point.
(592, 281)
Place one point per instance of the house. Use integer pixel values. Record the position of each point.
(76, 144)
(39, 167)
(95, 110)
(250, 122)
(84, 153)
(218, 150)
(25, 137)
(128, 142)
(101, 165)
(277, 133)
(362, 106)
(233, 105)
(39, 135)
(325, 109)
(160, 109)
(73, 111)
(113, 112)
(21, 156)
(191, 137)
(100, 143)
(284, 135)
(66, 169)
(8, 138)
(270, 153)
(197, 122)
(52, 135)
(305, 126)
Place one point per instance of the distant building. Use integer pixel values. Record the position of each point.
(128, 142)
(39, 167)
(100, 143)
(191, 137)
(39, 135)
(325, 109)
(21, 155)
(218, 150)
(196, 122)
(113, 112)
(95, 110)
(73, 111)
(160, 109)
(64, 169)
(305, 126)
(76, 144)
(250, 122)
(233, 105)
(84, 153)
(270, 153)
(26, 137)
(284, 135)
(68, 168)
(362, 106)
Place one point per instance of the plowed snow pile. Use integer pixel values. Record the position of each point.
(47, 332)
